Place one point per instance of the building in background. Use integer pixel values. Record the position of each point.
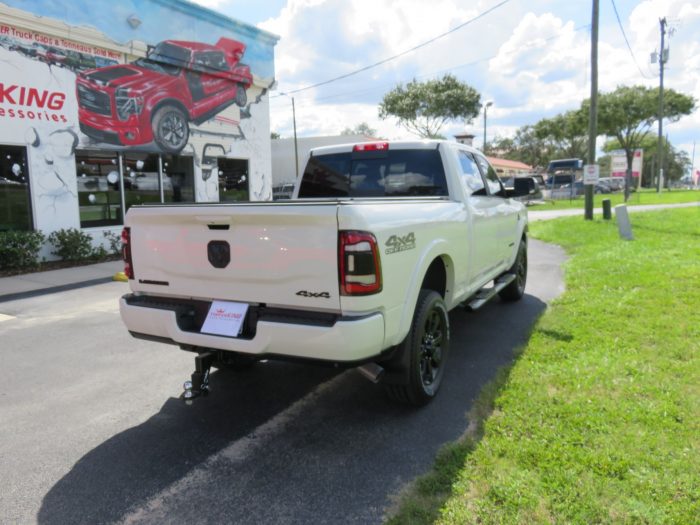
(104, 105)
(284, 172)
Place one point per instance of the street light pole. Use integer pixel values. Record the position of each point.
(296, 149)
(486, 107)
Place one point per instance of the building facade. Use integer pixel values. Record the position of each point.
(106, 104)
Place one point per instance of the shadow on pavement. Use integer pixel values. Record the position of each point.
(341, 461)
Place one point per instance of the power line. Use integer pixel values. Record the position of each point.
(619, 23)
(532, 43)
(394, 57)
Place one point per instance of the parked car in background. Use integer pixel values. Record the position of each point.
(579, 188)
(614, 183)
(283, 191)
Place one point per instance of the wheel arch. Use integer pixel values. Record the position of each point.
(435, 271)
(170, 102)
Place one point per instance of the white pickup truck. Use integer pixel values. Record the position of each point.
(358, 269)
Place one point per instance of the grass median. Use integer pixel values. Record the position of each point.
(642, 197)
(598, 419)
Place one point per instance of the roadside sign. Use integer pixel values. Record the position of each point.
(590, 174)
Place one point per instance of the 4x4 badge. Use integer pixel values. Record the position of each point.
(397, 243)
(304, 293)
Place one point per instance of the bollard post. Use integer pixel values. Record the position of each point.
(623, 222)
(607, 210)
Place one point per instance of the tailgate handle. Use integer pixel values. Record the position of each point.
(218, 226)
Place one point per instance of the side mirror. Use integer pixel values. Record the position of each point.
(523, 186)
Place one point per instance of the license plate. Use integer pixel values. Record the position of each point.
(225, 318)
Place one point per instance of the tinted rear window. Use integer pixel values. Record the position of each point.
(397, 173)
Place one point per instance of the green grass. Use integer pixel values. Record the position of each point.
(645, 196)
(598, 419)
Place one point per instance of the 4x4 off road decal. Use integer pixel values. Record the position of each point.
(397, 243)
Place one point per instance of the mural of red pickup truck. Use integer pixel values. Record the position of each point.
(155, 98)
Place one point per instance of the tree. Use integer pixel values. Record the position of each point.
(275, 135)
(424, 107)
(565, 133)
(525, 146)
(361, 129)
(629, 112)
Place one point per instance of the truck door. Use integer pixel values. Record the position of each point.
(211, 67)
(505, 213)
(483, 210)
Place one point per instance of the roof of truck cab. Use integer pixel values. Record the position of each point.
(193, 46)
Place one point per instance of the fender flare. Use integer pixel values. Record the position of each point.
(436, 249)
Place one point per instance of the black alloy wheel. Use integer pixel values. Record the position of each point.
(516, 289)
(426, 348)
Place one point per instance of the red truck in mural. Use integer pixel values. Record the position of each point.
(156, 97)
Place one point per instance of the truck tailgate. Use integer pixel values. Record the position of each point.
(282, 255)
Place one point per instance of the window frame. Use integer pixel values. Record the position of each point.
(485, 168)
(481, 192)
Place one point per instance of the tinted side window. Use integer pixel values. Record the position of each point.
(492, 181)
(471, 176)
(326, 176)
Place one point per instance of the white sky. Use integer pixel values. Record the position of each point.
(531, 58)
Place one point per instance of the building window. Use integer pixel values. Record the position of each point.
(178, 178)
(15, 201)
(233, 180)
(141, 178)
(99, 194)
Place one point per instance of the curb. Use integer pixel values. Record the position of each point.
(54, 289)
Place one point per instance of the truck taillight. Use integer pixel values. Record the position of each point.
(360, 266)
(371, 146)
(126, 253)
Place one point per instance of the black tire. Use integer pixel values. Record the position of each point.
(427, 345)
(171, 131)
(241, 96)
(230, 361)
(516, 289)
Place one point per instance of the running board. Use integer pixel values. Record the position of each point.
(484, 295)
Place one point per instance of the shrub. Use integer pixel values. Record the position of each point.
(72, 244)
(114, 241)
(20, 249)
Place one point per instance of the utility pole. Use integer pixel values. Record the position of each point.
(593, 113)
(660, 144)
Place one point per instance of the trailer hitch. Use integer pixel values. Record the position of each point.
(199, 384)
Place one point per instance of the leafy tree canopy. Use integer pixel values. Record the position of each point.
(361, 129)
(629, 112)
(566, 133)
(424, 107)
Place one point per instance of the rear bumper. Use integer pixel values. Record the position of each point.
(345, 340)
